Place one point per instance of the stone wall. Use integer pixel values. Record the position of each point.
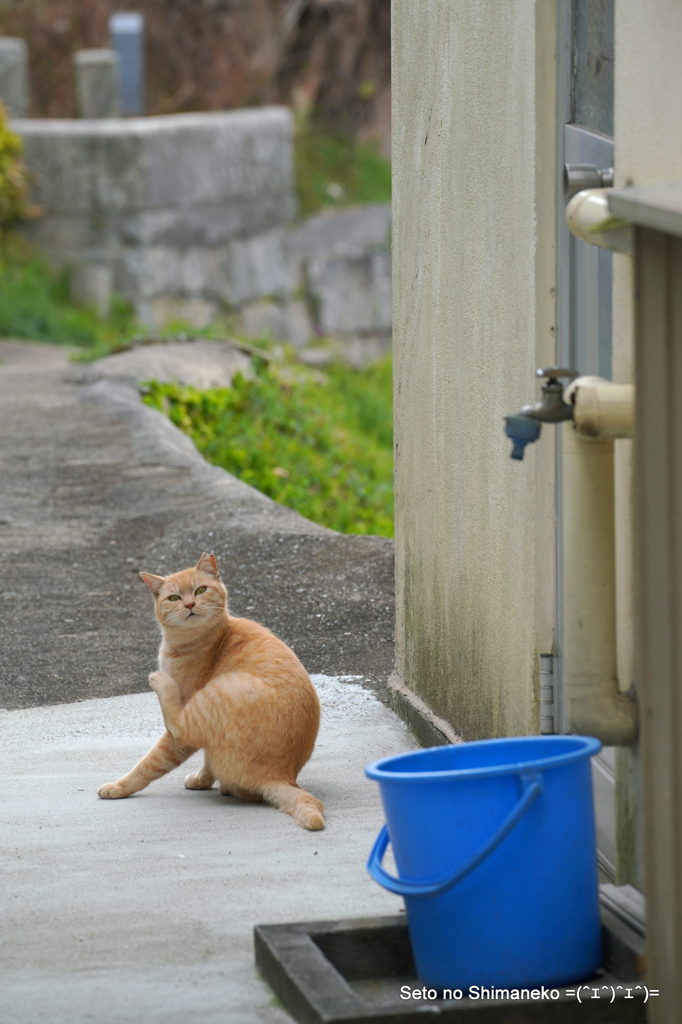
(161, 200)
(329, 275)
(195, 214)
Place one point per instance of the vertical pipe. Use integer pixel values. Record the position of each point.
(594, 705)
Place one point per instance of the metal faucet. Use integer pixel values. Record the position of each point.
(524, 427)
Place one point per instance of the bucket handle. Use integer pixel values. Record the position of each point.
(532, 789)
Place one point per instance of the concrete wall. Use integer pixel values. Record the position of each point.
(160, 200)
(648, 149)
(473, 236)
(194, 215)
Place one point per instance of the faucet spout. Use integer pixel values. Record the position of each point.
(524, 427)
(521, 430)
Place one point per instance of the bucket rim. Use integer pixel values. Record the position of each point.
(589, 746)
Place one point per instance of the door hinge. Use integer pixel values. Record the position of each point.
(549, 717)
(580, 176)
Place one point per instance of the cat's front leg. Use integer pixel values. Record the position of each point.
(203, 779)
(168, 692)
(165, 755)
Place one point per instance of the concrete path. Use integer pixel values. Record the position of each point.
(142, 910)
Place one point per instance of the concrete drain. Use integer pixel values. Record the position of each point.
(359, 971)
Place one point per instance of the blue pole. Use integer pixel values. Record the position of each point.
(126, 34)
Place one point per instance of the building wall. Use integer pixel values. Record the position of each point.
(648, 149)
(473, 280)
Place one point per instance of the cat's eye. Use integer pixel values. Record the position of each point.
(200, 590)
(175, 597)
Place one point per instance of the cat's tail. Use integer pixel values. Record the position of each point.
(304, 808)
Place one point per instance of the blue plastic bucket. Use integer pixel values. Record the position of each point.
(494, 843)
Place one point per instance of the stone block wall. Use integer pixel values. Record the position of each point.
(195, 215)
(329, 275)
(161, 200)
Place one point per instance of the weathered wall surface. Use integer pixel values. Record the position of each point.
(160, 200)
(648, 102)
(473, 227)
(194, 214)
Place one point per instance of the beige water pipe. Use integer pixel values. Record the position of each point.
(601, 409)
(589, 219)
(595, 706)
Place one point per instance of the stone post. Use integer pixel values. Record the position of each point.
(126, 35)
(91, 288)
(96, 79)
(14, 76)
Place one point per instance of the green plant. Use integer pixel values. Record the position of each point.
(321, 445)
(13, 178)
(333, 169)
(34, 303)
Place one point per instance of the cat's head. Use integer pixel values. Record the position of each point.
(189, 599)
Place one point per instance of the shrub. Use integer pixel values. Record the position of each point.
(13, 178)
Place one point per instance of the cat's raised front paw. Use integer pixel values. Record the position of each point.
(111, 791)
(160, 681)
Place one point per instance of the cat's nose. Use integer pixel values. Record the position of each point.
(190, 604)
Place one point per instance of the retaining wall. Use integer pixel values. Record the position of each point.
(196, 213)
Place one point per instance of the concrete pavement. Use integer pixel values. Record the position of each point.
(141, 910)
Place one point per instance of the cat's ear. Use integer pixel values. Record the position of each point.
(153, 582)
(207, 563)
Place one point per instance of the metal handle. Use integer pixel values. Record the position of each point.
(533, 787)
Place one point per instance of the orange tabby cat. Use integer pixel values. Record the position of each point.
(231, 687)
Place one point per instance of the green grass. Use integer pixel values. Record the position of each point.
(332, 169)
(321, 444)
(34, 303)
